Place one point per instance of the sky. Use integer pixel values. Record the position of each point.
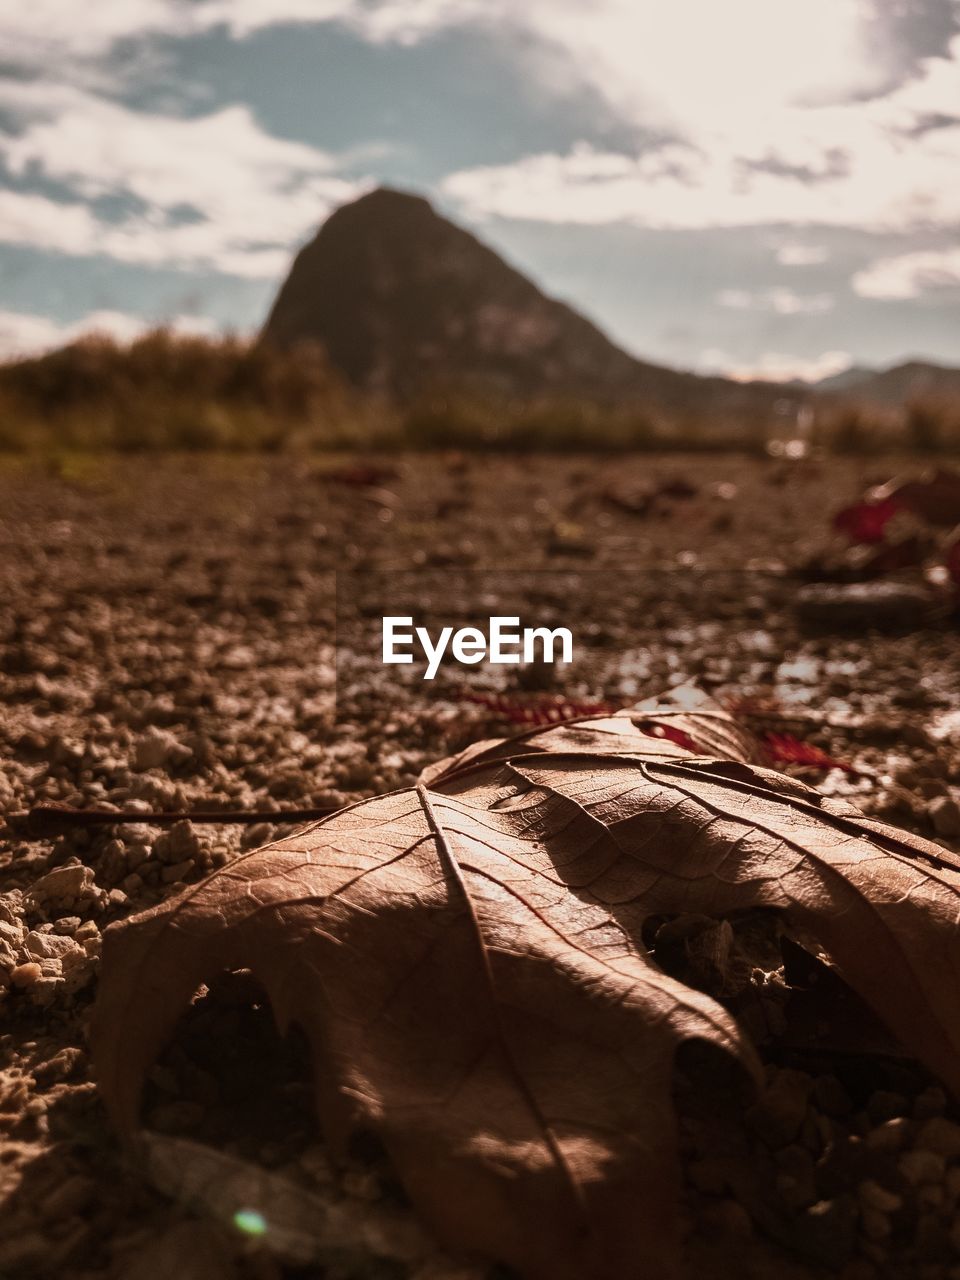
(765, 188)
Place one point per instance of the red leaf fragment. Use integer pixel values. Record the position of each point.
(783, 748)
(865, 523)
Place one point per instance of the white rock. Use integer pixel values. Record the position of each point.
(49, 946)
(64, 885)
(944, 814)
(159, 749)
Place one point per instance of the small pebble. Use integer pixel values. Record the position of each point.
(875, 1225)
(25, 976)
(932, 1101)
(891, 1136)
(940, 1135)
(831, 1097)
(944, 815)
(873, 1196)
(921, 1166)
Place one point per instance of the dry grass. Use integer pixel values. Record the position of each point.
(176, 393)
(165, 391)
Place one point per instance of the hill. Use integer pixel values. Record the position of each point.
(404, 300)
(910, 381)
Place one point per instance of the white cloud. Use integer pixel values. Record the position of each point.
(910, 275)
(28, 219)
(41, 32)
(782, 301)
(801, 113)
(737, 58)
(775, 367)
(751, 155)
(214, 192)
(695, 63)
(31, 34)
(382, 21)
(24, 334)
(795, 254)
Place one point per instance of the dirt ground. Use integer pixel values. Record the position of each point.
(168, 630)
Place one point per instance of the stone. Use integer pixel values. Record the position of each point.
(862, 605)
(177, 1117)
(180, 844)
(891, 1136)
(60, 1067)
(877, 1198)
(932, 1241)
(23, 1252)
(941, 1136)
(922, 1166)
(177, 871)
(25, 976)
(69, 1197)
(931, 1102)
(831, 1097)
(260, 833)
(709, 1175)
(875, 1225)
(796, 1177)
(62, 886)
(49, 946)
(728, 1218)
(159, 749)
(944, 815)
(827, 1231)
(189, 1250)
(779, 1115)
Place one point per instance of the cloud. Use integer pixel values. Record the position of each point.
(34, 220)
(403, 22)
(776, 367)
(799, 112)
(746, 160)
(744, 51)
(215, 192)
(794, 254)
(31, 34)
(782, 301)
(910, 275)
(76, 38)
(23, 334)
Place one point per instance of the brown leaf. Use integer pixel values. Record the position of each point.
(466, 959)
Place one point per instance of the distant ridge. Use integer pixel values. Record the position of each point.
(403, 299)
(912, 380)
(846, 379)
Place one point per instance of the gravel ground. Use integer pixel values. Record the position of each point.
(168, 630)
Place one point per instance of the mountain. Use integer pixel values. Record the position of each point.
(846, 380)
(403, 299)
(913, 380)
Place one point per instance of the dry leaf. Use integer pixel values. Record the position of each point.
(466, 960)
